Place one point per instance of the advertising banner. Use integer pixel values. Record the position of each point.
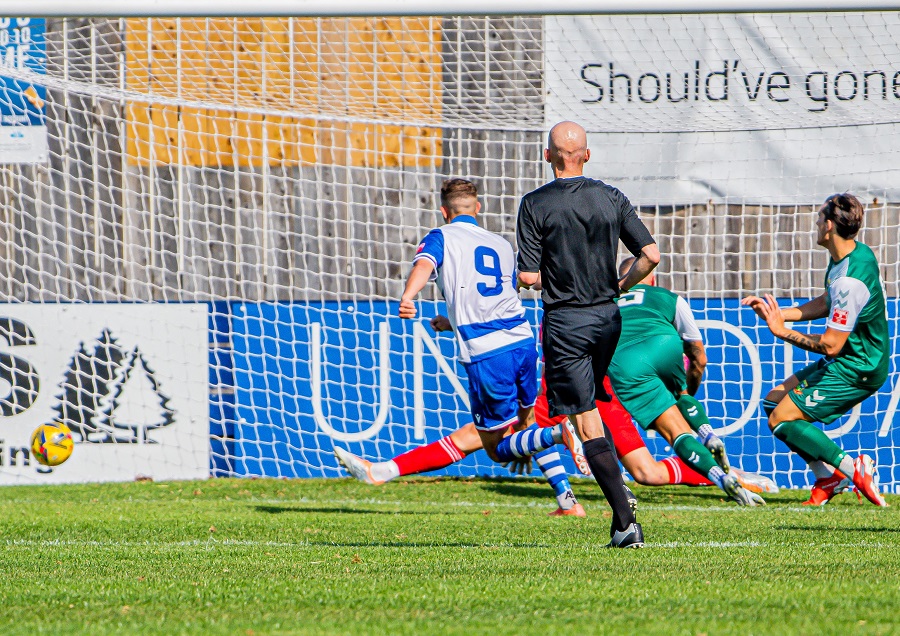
(773, 109)
(311, 376)
(130, 381)
(23, 131)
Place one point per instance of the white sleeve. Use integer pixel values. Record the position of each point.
(684, 321)
(848, 298)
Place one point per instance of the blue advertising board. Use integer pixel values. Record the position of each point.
(23, 132)
(309, 376)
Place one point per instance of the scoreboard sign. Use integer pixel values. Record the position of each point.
(23, 132)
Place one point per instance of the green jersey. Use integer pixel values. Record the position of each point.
(647, 369)
(855, 298)
(649, 311)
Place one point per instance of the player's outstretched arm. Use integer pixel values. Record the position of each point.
(830, 343)
(418, 278)
(813, 310)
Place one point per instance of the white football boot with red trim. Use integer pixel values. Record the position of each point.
(357, 466)
(571, 441)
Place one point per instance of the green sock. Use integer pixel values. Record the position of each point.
(692, 410)
(810, 442)
(695, 455)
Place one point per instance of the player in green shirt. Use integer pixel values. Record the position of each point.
(647, 372)
(856, 347)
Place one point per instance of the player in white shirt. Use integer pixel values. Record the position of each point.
(475, 271)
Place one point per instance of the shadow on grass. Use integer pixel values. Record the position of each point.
(277, 510)
(511, 488)
(428, 545)
(589, 491)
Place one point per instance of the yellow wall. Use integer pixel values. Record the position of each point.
(387, 69)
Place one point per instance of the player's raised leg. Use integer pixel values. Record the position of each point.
(422, 459)
(828, 461)
(695, 415)
(449, 450)
(671, 425)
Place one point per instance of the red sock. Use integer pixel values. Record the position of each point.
(434, 456)
(681, 473)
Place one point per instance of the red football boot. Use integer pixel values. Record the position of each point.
(825, 489)
(866, 480)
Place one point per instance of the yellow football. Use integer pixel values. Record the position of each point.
(52, 444)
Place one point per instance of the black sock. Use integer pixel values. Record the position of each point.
(608, 434)
(605, 466)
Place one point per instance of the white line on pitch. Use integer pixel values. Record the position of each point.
(538, 503)
(227, 543)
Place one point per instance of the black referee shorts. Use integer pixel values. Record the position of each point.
(579, 343)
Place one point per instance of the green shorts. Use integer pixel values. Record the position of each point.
(648, 375)
(823, 395)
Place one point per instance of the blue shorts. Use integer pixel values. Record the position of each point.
(501, 384)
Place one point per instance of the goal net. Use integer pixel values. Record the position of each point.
(207, 222)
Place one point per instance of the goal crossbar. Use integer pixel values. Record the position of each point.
(336, 8)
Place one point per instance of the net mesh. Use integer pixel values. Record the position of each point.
(281, 172)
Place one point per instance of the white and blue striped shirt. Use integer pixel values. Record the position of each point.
(475, 271)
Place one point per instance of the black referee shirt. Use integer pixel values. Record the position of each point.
(569, 231)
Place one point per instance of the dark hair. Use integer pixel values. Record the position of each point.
(453, 189)
(846, 212)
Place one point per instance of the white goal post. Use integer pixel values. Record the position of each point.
(206, 219)
(367, 8)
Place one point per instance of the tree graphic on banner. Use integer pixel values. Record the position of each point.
(111, 395)
(85, 383)
(135, 402)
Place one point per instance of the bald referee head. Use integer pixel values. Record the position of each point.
(567, 150)
(568, 232)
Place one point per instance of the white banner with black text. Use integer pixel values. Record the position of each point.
(733, 108)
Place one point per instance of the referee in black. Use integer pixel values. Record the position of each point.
(568, 234)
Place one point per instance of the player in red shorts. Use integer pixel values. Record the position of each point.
(630, 446)
(634, 454)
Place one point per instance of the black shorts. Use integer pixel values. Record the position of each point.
(579, 343)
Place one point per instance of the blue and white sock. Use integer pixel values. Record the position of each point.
(550, 463)
(716, 475)
(528, 442)
(704, 433)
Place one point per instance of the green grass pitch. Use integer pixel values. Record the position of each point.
(436, 557)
